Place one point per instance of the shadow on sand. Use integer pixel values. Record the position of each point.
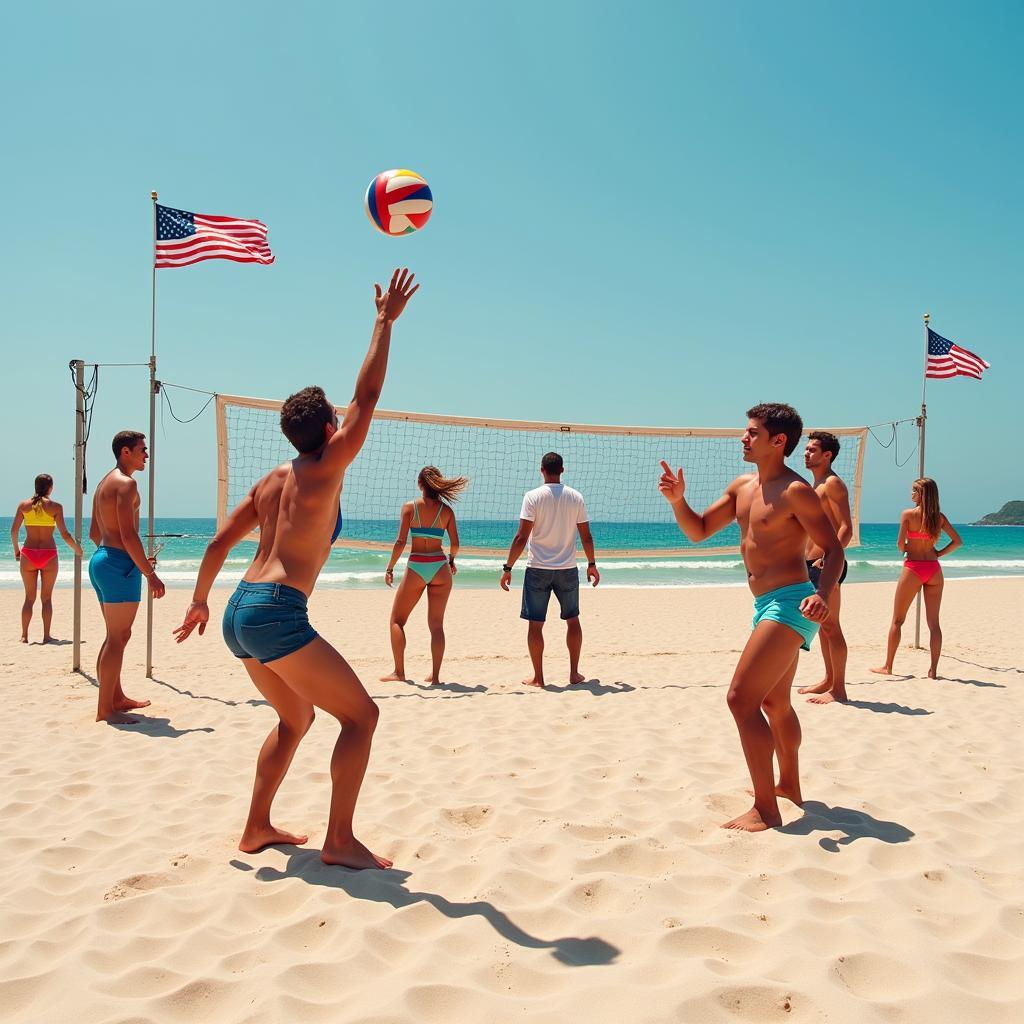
(253, 702)
(389, 887)
(594, 686)
(819, 817)
(890, 708)
(158, 728)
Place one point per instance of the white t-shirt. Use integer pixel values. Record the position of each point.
(555, 511)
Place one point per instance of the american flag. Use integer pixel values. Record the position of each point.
(947, 359)
(183, 238)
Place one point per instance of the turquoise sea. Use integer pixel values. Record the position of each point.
(987, 551)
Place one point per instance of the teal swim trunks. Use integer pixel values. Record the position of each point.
(783, 605)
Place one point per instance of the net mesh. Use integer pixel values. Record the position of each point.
(615, 468)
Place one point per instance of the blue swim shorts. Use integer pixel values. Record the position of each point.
(266, 621)
(783, 605)
(540, 584)
(115, 577)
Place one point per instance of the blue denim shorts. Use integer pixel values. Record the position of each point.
(538, 585)
(115, 577)
(266, 621)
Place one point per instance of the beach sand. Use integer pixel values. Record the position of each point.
(558, 856)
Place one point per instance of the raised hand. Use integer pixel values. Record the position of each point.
(391, 303)
(672, 485)
(198, 614)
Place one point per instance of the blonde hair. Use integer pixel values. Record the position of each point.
(438, 487)
(931, 515)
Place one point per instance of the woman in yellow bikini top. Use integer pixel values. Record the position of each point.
(40, 516)
(428, 568)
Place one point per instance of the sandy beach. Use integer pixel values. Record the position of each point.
(557, 854)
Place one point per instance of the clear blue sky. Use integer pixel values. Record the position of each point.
(654, 213)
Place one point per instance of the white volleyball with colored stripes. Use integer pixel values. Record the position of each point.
(398, 202)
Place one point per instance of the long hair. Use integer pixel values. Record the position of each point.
(44, 484)
(438, 487)
(931, 515)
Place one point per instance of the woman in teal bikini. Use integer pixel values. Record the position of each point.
(920, 528)
(428, 567)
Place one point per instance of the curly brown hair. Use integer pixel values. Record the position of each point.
(304, 416)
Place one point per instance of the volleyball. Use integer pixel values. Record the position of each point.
(398, 202)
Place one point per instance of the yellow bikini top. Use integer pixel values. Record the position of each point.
(38, 516)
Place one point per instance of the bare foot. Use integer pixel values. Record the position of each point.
(933, 673)
(433, 682)
(24, 639)
(354, 855)
(255, 840)
(753, 821)
(117, 718)
(533, 681)
(792, 795)
(131, 705)
(884, 670)
(576, 678)
(393, 677)
(827, 698)
(823, 687)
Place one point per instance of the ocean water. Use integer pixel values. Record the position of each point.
(987, 551)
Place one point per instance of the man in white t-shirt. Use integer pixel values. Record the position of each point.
(551, 517)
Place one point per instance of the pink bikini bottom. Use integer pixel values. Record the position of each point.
(39, 557)
(923, 569)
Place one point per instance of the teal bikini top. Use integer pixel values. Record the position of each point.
(433, 530)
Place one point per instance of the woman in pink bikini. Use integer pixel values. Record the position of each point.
(920, 528)
(40, 516)
(428, 568)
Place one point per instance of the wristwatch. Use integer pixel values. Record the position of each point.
(506, 567)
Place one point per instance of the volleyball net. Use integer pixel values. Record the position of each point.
(615, 468)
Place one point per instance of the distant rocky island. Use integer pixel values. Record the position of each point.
(1011, 514)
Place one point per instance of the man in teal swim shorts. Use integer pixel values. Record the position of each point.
(777, 511)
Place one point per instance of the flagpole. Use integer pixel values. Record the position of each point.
(920, 462)
(152, 453)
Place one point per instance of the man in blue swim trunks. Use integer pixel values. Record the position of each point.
(777, 512)
(296, 509)
(116, 570)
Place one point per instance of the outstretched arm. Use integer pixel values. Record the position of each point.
(954, 539)
(236, 527)
(344, 446)
(717, 516)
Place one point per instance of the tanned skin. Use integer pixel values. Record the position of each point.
(41, 580)
(909, 584)
(295, 506)
(115, 524)
(835, 500)
(573, 629)
(777, 511)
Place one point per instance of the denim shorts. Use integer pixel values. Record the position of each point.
(115, 577)
(266, 621)
(538, 585)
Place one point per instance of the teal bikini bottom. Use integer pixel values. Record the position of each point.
(427, 566)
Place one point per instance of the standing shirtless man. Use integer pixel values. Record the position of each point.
(819, 454)
(116, 570)
(776, 511)
(297, 510)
